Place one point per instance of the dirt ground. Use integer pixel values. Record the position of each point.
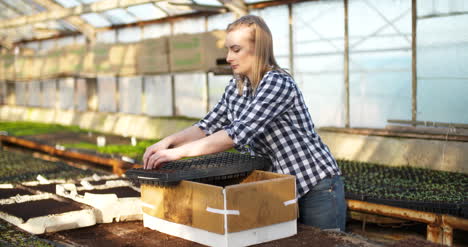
(134, 234)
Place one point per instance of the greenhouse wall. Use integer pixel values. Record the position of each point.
(442, 61)
(309, 41)
(318, 30)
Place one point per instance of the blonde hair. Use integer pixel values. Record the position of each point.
(263, 49)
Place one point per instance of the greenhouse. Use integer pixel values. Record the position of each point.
(91, 91)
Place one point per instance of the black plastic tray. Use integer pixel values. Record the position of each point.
(210, 167)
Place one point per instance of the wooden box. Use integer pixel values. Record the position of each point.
(261, 208)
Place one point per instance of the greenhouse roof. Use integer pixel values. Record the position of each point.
(27, 20)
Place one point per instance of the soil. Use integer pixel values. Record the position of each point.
(413, 242)
(121, 192)
(7, 193)
(31, 209)
(134, 234)
(70, 137)
(50, 188)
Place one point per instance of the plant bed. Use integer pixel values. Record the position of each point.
(16, 168)
(407, 187)
(6, 193)
(76, 139)
(19, 128)
(44, 188)
(45, 213)
(11, 235)
(115, 200)
(32, 209)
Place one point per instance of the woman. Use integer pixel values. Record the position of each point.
(263, 112)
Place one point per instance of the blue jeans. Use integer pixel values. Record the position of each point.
(324, 206)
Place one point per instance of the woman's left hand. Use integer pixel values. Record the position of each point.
(160, 157)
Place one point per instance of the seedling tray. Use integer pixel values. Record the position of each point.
(220, 166)
(407, 187)
(114, 200)
(45, 213)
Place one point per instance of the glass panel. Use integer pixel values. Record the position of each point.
(379, 62)
(156, 30)
(47, 45)
(380, 88)
(190, 95)
(146, 12)
(130, 89)
(119, 16)
(49, 90)
(256, 1)
(277, 20)
(158, 94)
(81, 101)
(318, 30)
(80, 39)
(3, 94)
(33, 45)
(220, 22)
(106, 36)
(21, 91)
(130, 34)
(209, 2)
(96, 20)
(25, 8)
(442, 69)
(192, 25)
(431, 7)
(66, 87)
(68, 3)
(379, 25)
(217, 84)
(88, 1)
(65, 41)
(34, 96)
(106, 94)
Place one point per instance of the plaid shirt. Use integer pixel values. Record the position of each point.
(274, 122)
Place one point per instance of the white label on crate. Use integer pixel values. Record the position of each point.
(221, 211)
(286, 203)
(144, 204)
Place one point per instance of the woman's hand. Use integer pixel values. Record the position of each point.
(158, 146)
(160, 157)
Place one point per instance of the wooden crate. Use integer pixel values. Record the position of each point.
(262, 207)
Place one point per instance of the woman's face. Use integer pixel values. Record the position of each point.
(240, 51)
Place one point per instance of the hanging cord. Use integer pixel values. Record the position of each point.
(449, 129)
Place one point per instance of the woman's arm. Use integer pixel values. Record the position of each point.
(187, 135)
(217, 142)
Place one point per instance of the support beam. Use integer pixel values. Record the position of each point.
(414, 68)
(201, 7)
(346, 66)
(238, 7)
(11, 7)
(95, 7)
(85, 28)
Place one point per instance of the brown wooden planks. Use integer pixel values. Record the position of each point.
(261, 203)
(186, 204)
